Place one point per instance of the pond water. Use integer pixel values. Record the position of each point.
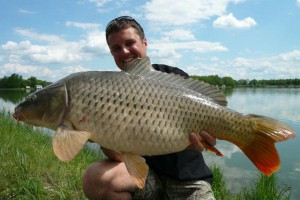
(278, 103)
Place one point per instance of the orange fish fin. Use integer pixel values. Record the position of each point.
(212, 149)
(66, 143)
(263, 155)
(137, 168)
(262, 151)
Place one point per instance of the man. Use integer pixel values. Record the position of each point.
(182, 175)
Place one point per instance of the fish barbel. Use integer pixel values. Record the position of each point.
(140, 111)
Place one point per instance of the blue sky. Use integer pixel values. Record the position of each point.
(244, 39)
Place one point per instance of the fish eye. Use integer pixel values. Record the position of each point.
(30, 97)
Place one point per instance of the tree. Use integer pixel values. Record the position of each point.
(253, 82)
(14, 81)
(228, 81)
(32, 82)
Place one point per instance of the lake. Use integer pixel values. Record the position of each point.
(278, 103)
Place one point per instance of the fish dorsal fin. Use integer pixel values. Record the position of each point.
(143, 68)
(67, 143)
(137, 168)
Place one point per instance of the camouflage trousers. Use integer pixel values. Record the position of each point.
(165, 188)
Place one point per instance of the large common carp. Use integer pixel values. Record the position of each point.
(141, 111)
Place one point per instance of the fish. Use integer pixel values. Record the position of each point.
(143, 112)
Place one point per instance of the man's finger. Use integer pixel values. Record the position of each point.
(196, 142)
(209, 139)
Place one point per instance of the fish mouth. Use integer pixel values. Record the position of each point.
(18, 116)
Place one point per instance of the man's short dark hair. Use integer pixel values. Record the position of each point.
(121, 23)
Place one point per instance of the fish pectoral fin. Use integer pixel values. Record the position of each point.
(137, 168)
(66, 143)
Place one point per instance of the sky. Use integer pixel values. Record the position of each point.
(243, 39)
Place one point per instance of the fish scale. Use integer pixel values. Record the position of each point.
(145, 112)
(171, 119)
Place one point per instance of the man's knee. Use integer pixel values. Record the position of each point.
(94, 181)
(106, 179)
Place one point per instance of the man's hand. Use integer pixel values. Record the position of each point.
(201, 140)
(204, 141)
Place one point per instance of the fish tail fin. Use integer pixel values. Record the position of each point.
(262, 151)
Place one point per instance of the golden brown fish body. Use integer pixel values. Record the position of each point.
(130, 114)
(145, 112)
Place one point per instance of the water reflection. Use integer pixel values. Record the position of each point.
(13, 96)
(9, 98)
(278, 103)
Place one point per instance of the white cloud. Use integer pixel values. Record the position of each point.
(164, 55)
(36, 36)
(291, 56)
(99, 3)
(229, 21)
(169, 12)
(10, 45)
(24, 11)
(55, 50)
(168, 52)
(279, 66)
(26, 52)
(73, 69)
(297, 167)
(179, 34)
(17, 68)
(30, 57)
(83, 25)
(44, 73)
(196, 46)
(298, 2)
(95, 42)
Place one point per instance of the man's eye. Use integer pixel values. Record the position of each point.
(130, 43)
(115, 49)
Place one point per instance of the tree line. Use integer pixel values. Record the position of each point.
(17, 81)
(230, 82)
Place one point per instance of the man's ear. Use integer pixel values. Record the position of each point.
(145, 42)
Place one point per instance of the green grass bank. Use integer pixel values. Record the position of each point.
(30, 170)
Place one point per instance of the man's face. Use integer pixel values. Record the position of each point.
(126, 45)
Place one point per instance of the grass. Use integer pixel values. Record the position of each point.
(264, 188)
(30, 170)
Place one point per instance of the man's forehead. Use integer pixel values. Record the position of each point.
(123, 35)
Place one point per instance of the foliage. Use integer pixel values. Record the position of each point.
(230, 82)
(17, 81)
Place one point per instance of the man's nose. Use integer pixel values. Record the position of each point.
(125, 50)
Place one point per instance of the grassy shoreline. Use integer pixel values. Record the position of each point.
(30, 170)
